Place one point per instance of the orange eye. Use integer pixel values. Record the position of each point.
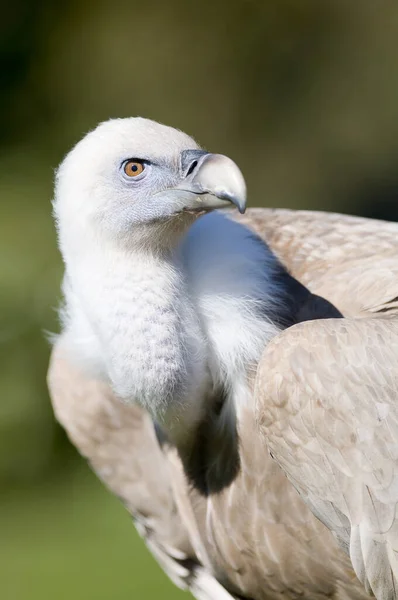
(133, 168)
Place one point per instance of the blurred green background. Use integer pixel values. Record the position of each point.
(303, 95)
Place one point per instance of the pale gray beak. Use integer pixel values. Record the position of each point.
(214, 179)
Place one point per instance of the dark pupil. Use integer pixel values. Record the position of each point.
(134, 168)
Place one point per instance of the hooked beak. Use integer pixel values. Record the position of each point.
(214, 180)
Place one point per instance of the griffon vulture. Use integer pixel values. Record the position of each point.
(209, 382)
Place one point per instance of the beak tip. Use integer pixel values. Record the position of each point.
(238, 200)
(240, 203)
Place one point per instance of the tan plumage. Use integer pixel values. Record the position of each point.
(257, 537)
(329, 410)
(120, 443)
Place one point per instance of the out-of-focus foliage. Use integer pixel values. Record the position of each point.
(303, 95)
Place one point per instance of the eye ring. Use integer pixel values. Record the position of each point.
(133, 167)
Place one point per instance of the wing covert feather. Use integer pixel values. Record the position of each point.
(327, 404)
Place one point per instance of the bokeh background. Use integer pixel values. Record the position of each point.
(303, 95)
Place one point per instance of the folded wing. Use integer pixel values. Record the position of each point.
(327, 406)
(121, 444)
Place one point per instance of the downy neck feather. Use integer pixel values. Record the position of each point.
(150, 344)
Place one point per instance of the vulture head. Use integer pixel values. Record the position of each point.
(133, 180)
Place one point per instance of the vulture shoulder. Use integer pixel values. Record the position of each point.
(350, 261)
(326, 391)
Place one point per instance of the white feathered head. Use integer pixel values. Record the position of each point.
(129, 176)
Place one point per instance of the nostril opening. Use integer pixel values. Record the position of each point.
(192, 167)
